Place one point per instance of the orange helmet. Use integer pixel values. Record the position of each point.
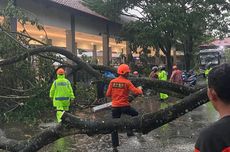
(61, 71)
(123, 69)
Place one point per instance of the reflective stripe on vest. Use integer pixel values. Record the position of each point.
(62, 98)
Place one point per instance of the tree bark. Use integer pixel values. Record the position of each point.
(143, 123)
(169, 62)
(68, 54)
(188, 52)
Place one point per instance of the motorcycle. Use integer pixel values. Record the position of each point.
(189, 78)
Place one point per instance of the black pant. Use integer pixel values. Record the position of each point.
(100, 90)
(116, 113)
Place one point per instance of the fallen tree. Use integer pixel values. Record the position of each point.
(156, 84)
(74, 125)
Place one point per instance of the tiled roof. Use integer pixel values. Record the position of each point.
(224, 42)
(77, 4)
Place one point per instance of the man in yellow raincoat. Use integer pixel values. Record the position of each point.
(163, 76)
(61, 93)
(207, 70)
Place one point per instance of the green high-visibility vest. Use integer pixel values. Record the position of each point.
(61, 92)
(206, 72)
(163, 75)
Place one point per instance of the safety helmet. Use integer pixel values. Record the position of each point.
(60, 71)
(123, 69)
(135, 73)
(162, 67)
(174, 67)
(154, 68)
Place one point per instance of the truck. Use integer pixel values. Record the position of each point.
(211, 56)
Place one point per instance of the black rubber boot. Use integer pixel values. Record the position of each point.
(115, 149)
(115, 138)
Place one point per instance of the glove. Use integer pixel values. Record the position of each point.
(131, 97)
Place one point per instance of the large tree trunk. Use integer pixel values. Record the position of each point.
(188, 48)
(167, 51)
(169, 62)
(74, 125)
(64, 52)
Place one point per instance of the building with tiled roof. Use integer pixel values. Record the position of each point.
(223, 43)
(77, 5)
(70, 24)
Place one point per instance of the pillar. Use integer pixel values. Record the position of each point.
(105, 43)
(95, 53)
(110, 55)
(128, 52)
(70, 46)
(70, 36)
(174, 57)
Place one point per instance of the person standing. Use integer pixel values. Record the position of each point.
(118, 90)
(216, 137)
(154, 73)
(207, 70)
(163, 76)
(61, 93)
(176, 76)
(136, 74)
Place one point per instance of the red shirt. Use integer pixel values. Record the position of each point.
(176, 77)
(119, 89)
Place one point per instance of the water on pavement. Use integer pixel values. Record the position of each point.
(177, 136)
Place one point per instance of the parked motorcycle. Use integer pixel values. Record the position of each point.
(189, 78)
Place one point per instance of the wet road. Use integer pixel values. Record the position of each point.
(177, 136)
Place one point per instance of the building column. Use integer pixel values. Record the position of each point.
(95, 53)
(128, 52)
(174, 57)
(105, 43)
(70, 36)
(70, 46)
(110, 55)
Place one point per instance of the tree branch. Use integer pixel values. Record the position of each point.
(64, 52)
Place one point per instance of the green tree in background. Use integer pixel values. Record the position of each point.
(22, 83)
(168, 23)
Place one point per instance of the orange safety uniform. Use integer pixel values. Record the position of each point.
(119, 89)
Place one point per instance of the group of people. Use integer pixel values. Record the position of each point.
(161, 74)
(119, 88)
(215, 138)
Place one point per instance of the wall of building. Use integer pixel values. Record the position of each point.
(55, 15)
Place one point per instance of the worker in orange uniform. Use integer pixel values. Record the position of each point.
(119, 89)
